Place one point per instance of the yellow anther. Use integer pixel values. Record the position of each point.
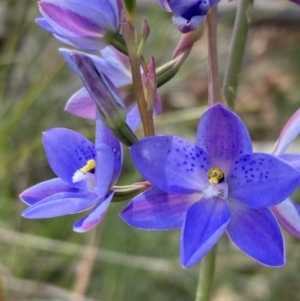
(90, 165)
(215, 175)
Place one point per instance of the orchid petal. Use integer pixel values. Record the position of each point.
(109, 65)
(67, 152)
(288, 214)
(157, 106)
(115, 66)
(43, 23)
(65, 41)
(261, 180)
(288, 134)
(172, 164)
(104, 169)
(75, 19)
(133, 118)
(95, 216)
(180, 7)
(293, 159)
(164, 4)
(45, 189)
(81, 104)
(100, 6)
(157, 210)
(105, 136)
(60, 204)
(223, 136)
(111, 52)
(185, 26)
(204, 224)
(257, 233)
(82, 26)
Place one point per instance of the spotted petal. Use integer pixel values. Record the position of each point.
(45, 189)
(158, 210)
(60, 204)
(261, 180)
(67, 151)
(95, 216)
(288, 134)
(223, 136)
(204, 224)
(172, 164)
(257, 233)
(288, 214)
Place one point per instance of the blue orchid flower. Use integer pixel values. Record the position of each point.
(215, 185)
(86, 175)
(87, 24)
(188, 14)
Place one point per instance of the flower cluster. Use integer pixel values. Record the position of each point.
(214, 186)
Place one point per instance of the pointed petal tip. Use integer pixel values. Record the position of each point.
(78, 229)
(188, 263)
(26, 214)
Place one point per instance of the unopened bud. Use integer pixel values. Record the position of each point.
(149, 84)
(145, 29)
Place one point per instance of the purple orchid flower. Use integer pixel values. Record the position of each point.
(87, 24)
(288, 212)
(188, 14)
(296, 1)
(215, 185)
(86, 175)
(116, 67)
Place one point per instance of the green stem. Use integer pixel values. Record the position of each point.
(213, 73)
(206, 276)
(118, 42)
(135, 62)
(236, 50)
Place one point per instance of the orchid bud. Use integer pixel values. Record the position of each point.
(145, 29)
(149, 83)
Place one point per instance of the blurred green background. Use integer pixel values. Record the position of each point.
(45, 259)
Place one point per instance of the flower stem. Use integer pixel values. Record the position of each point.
(128, 33)
(236, 50)
(213, 73)
(206, 276)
